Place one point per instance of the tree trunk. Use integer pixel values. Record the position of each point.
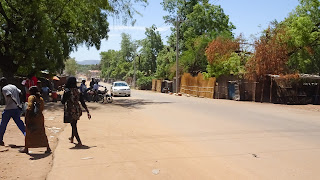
(8, 68)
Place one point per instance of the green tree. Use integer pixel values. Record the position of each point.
(303, 33)
(166, 63)
(225, 58)
(118, 64)
(151, 46)
(128, 47)
(178, 9)
(38, 35)
(71, 67)
(203, 24)
(111, 64)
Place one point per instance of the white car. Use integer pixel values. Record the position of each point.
(120, 88)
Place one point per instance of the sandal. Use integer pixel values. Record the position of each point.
(71, 140)
(48, 151)
(24, 150)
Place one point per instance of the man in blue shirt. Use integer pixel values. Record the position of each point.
(84, 89)
(12, 109)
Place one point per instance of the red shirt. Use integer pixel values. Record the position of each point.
(32, 82)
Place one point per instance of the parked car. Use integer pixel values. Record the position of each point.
(120, 88)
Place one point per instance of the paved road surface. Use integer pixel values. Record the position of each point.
(160, 136)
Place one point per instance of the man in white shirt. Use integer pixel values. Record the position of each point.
(12, 96)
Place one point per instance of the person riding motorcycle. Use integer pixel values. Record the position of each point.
(95, 90)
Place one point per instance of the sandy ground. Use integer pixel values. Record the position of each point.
(123, 142)
(37, 164)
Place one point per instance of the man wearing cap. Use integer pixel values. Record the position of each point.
(12, 110)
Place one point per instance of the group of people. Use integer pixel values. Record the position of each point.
(94, 87)
(33, 128)
(44, 87)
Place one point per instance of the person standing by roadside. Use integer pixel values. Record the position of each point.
(32, 80)
(35, 132)
(72, 109)
(12, 109)
(45, 92)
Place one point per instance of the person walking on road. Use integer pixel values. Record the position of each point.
(12, 109)
(35, 132)
(72, 109)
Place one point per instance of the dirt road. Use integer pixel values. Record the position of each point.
(158, 136)
(37, 164)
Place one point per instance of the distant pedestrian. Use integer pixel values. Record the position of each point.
(35, 132)
(84, 90)
(45, 92)
(72, 109)
(12, 109)
(32, 80)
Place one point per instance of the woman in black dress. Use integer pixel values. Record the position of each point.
(72, 109)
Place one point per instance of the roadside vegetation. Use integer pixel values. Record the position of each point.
(207, 45)
(35, 36)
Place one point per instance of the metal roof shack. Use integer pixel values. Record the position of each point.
(294, 89)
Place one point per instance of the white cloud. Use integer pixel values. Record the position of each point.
(114, 35)
(136, 28)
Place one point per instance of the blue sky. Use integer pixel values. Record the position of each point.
(249, 16)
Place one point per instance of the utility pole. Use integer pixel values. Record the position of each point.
(177, 56)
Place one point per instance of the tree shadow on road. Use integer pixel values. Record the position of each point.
(135, 103)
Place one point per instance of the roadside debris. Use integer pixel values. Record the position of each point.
(50, 118)
(254, 155)
(156, 171)
(54, 129)
(86, 158)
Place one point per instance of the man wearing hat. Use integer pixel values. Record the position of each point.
(12, 110)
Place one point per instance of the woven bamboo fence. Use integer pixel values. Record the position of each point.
(197, 86)
(154, 85)
(159, 85)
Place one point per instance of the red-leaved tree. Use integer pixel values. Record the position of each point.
(270, 56)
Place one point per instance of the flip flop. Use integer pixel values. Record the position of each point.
(23, 151)
(71, 140)
(48, 151)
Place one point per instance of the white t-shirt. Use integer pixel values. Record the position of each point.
(11, 92)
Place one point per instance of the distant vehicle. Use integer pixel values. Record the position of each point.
(120, 88)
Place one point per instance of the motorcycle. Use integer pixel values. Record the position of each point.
(100, 96)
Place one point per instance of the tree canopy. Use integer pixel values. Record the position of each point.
(38, 35)
(150, 48)
(291, 46)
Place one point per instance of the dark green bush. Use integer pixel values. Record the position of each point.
(145, 83)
